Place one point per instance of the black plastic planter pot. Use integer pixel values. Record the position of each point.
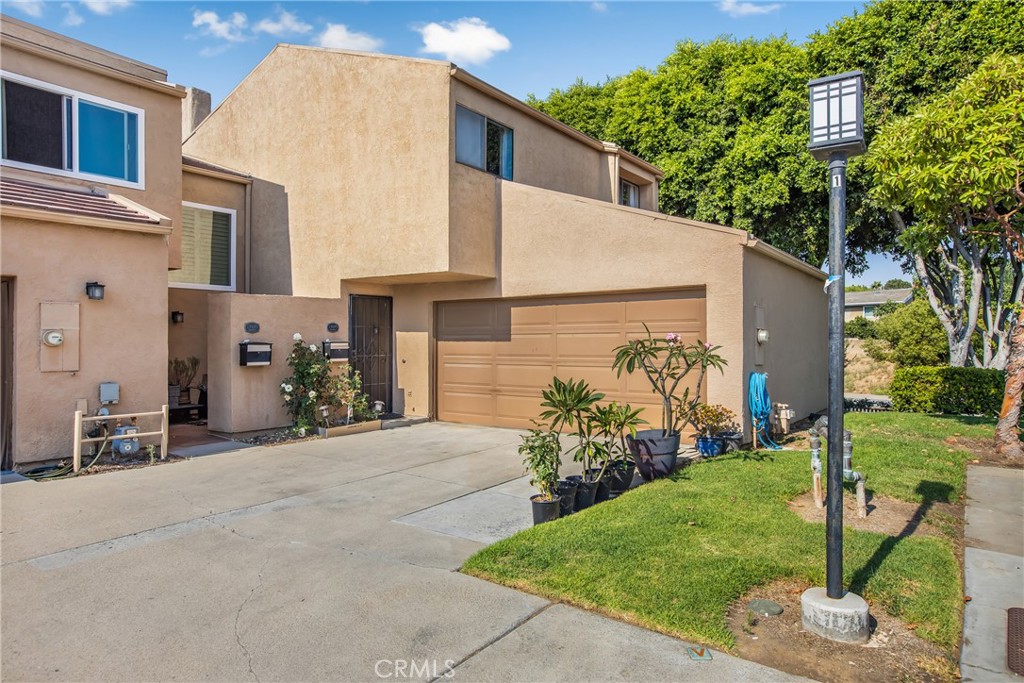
(585, 492)
(603, 484)
(544, 510)
(655, 455)
(567, 492)
(620, 476)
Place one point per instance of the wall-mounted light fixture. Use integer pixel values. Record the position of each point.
(177, 317)
(762, 336)
(94, 290)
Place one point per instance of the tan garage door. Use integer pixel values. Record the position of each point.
(494, 357)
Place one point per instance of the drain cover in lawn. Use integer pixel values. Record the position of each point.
(1015, 639)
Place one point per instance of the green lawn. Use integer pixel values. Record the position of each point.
(672, 555)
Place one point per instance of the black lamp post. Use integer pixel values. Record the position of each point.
(837, 132)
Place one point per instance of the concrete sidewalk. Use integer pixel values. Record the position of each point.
(288, 564)
(993, 569)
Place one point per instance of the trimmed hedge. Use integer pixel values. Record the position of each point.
(946, 390)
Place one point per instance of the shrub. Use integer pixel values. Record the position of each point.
(951, 391)
(860, 328)
(909, 336)
(312, 389)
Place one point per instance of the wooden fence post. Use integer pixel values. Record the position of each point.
(164, 429)
(78, 441)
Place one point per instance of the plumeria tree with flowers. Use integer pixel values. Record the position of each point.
(313, 394)
(666, 361)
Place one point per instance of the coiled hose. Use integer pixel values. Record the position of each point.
(65, 470)
(760, 404)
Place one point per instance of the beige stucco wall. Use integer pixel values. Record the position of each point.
(162, 191)
(542, 156)
(246, 399)
(556, 244)
(121, 339)
(795, 315)
(351, 153)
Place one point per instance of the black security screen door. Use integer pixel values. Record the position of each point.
(370, 345)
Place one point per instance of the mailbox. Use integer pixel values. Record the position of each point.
(254, 353)
(336, 351)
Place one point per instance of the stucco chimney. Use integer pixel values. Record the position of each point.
(194, 108)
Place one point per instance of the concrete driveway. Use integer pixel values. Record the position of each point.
(319, 561)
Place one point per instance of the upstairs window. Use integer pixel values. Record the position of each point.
(629, 194)
(483, 143)
(48, 128)
(207, 249)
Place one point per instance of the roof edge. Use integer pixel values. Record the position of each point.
(784, 257)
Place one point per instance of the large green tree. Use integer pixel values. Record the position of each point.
(727, 120)
(950, 173)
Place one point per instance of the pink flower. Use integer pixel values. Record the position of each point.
(707, 346)
(672, 338)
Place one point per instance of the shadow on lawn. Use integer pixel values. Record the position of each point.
(931, 492)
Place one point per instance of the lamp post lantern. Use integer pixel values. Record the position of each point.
(836, 133)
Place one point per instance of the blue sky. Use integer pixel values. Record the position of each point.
(520, 47)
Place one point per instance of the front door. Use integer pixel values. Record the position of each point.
(370, 345)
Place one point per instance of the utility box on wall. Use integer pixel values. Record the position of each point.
(336, 351)
(253, 354)
(58, 336)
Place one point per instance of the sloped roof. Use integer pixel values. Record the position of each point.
(877, 296)
(78, 202)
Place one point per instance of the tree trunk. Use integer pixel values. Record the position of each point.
(1007, 437)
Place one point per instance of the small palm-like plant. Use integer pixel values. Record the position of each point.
(541, 453)
(570, 404)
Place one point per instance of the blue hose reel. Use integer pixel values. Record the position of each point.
(760, 404)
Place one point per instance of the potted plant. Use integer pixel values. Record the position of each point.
(181, 373)
(665, 362)
(570, 405)
(541, 453)
(615, 423)
(711, 421)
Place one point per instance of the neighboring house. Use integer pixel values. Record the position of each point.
(467, 246)
(864, 303)
(90, 188)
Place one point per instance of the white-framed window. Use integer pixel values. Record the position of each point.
(629, 194)
(207, 248)
(483, 143)
(869, 312)
(49, 128)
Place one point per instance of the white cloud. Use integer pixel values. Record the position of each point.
(339, 36)
(284, 24)
(106, 7)
(231, 29)
(599, 6)
(737, 9)
(468, 40)
(33, 8)
(215, 50)
(72, 18)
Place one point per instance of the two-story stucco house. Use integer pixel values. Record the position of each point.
(472, 247)
(466, 246)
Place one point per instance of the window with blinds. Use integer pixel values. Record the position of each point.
(207, 248)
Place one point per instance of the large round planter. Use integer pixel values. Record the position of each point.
(710, 446)
(655, 455)
(620, 476)
(567, 492)
(585, 492)
(544, 510)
